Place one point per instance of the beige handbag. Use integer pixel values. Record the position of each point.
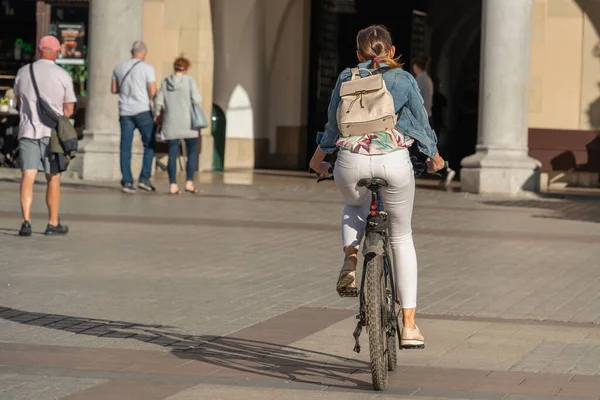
(366, 105)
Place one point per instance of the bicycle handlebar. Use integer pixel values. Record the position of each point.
(330, 177)
(420, 168)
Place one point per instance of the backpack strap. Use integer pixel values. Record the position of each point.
(356, 72)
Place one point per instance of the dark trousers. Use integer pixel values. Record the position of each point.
(192, 159)
(145, 124)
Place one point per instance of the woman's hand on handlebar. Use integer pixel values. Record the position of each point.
(323, 170)
(317, 164)
(435, 164)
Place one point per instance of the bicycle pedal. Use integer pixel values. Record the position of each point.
(348, 292)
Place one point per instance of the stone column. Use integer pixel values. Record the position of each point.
(205, 78)
(114, 26)
(42, 17)
(501, 164)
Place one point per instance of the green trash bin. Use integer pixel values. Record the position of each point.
(218, 132)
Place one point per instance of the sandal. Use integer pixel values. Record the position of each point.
(177, 193)
(346, 284)
(192, 191)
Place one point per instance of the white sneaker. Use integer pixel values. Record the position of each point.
(128, 188)
(411, 338)
(450, 174)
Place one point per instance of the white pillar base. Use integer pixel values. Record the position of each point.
(98, 158)
(500, 171)
(205, 152)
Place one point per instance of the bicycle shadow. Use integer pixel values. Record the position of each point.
(264, 359)
(273, 361)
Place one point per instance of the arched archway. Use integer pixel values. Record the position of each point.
(240, 114)
(455, 53)
(240, 117)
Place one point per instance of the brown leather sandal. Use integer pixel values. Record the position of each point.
(346, 284)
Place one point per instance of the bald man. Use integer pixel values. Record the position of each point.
(35, 129)
(134, 80)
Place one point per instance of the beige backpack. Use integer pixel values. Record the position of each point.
(366, 106)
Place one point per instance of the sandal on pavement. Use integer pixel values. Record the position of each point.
(177, 193)
(192, 191)
(346, 284)
(411, 339)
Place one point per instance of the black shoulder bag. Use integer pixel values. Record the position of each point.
(46, 113)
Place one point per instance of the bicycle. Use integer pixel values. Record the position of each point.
(377, 295)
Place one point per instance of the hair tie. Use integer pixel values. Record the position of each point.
(375, 59)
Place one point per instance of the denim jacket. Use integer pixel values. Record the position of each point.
(412, 120)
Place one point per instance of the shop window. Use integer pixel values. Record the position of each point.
(17, 34)
(69, 25)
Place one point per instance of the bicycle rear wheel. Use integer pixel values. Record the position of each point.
(391, 322)
(376, 316)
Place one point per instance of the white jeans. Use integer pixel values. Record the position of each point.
(398, 199)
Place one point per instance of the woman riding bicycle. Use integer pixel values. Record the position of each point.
(382, 155)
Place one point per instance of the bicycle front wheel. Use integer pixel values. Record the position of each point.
(376, 311)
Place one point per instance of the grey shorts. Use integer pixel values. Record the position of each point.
(35, 154)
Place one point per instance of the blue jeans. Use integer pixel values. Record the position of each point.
(192, 159)
(145, 124)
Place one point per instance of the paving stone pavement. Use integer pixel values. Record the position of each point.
(146, 273)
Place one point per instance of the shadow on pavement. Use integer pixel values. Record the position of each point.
(267, 360)
(67, 184)
(586, 210)
(275, 361)
(9, 232)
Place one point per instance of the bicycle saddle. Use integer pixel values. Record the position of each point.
(372, 183)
